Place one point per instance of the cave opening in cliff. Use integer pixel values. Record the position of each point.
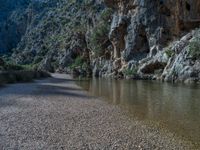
(141, 48)
(145, 47)
(187, 5)
(143, 43)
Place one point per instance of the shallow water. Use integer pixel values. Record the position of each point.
(175, 107)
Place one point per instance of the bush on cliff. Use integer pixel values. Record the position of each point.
(99, 34)
(130, 72)
(169, 52)
(77, 63)
(194, 48)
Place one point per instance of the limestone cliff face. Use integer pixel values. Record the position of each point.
(139, 25)
(58, 32)
(140, 39)
(142, 29)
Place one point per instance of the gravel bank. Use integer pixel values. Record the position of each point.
(56, 114)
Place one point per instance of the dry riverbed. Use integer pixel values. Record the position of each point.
(57, 114)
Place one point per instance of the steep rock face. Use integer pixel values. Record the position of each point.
(62, 35)
(184, 63)
(13, 23)
(141, 29)
(139, 25)
(59, 32)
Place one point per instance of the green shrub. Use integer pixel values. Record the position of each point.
(98, 36)
(31, 66)
(12, 66)
(77, 63)
(106, 14)
(194, 48)
(129, 72)
(169, 52)
(100, 33)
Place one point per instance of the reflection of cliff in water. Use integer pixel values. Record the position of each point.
(177, 107)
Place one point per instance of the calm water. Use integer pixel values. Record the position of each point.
(172, 106)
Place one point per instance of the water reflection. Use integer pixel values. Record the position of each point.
(176, 107)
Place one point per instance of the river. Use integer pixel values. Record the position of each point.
(174, 107)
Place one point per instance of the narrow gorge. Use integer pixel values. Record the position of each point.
(100, 74)
(119, 39)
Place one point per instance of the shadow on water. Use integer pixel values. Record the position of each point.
(174, 106)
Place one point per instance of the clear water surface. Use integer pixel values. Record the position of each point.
(175, 107)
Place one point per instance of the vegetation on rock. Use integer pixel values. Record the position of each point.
(194, 48)
(130, 72)
(99, 34)
(169, 52)
(104, 37)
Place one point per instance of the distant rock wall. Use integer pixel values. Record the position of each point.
(13, 23)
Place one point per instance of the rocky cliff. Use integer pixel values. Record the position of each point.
(13, 22)
(60, 32)
(140, 25)
(142, 29)
(140, 39)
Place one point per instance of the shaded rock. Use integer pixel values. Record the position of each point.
(152, 66)
(13, 23)
(181, 67)
(141, 29)
(47, 64)
(2, 63)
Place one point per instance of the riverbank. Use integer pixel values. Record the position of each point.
(55, 113)
(21, 76)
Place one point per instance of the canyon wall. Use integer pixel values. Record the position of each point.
(140, 25)
(13, 23)
(141, 33)
(139, 39)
